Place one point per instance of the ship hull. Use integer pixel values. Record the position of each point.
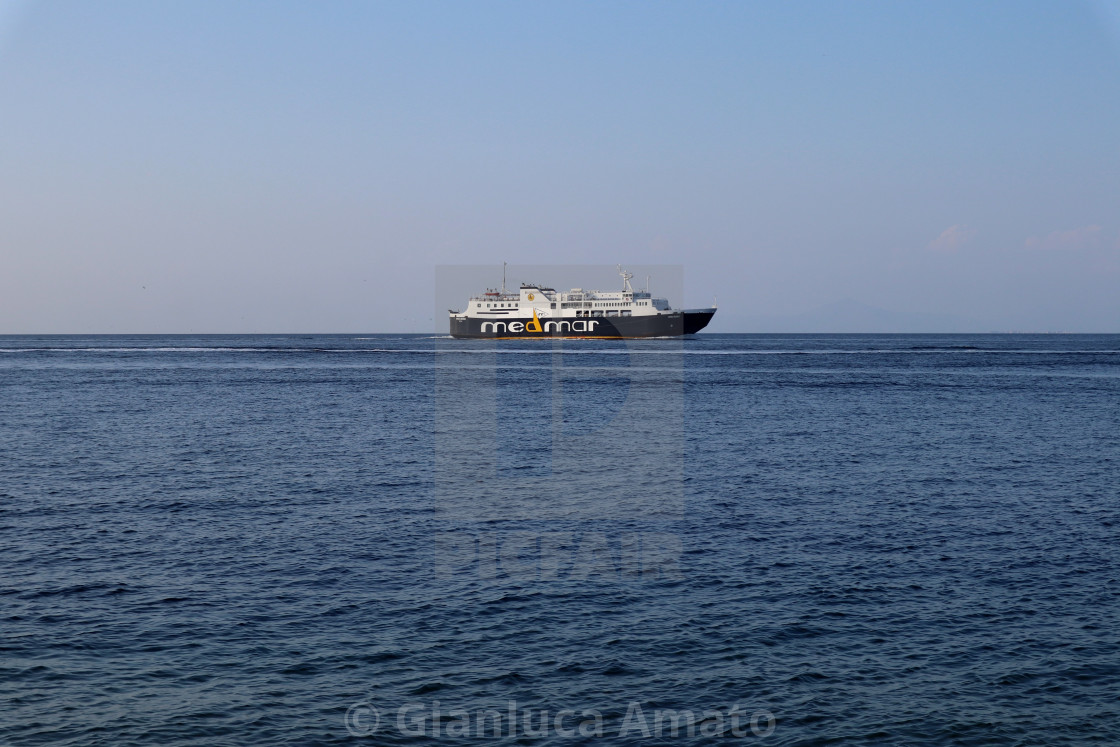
(597, 327)
(696, 319)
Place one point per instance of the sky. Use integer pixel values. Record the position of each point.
(283, 166)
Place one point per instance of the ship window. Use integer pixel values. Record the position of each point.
(478, 305)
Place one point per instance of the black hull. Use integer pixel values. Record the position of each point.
(595, 327)
(696, 319)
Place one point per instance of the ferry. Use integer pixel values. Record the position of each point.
(537, 311)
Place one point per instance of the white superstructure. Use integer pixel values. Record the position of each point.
(576, 303)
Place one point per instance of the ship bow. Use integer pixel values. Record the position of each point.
(696, 319)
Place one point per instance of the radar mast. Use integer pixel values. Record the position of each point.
(625, 279)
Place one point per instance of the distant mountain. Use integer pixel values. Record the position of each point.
(852, 316)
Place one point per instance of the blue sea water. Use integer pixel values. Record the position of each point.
(850, 539)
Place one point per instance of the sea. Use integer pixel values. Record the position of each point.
(408, 539)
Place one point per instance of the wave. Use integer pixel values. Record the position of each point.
(152, 350)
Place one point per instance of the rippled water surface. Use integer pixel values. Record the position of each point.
(852, 539)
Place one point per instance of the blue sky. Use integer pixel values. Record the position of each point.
(276, 166)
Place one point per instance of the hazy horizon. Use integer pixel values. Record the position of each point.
(295, 168)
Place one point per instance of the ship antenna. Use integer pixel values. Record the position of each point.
(625, 278)
(503, 278)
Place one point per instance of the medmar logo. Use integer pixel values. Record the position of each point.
(575, 325)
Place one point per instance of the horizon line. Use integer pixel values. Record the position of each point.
(543, 337)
